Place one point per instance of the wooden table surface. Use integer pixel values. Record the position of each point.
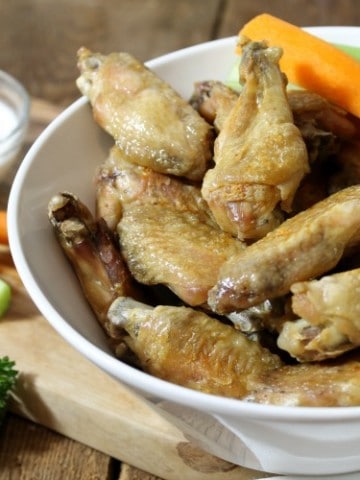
(39, 40)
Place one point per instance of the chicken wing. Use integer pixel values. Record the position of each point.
(214, 101)
(317, 117)
(149, 121)
(303, 247)
(323, 384)
(189, 348)
(216, 358)
(93, 254)
(260, 155)
(329, 312)
(167, 233)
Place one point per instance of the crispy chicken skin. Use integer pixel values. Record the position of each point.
(303, 247)
(260, 156)
(149, 121)
(214, 101)
(216, 358)
(315, 116)
(329, 311)
(311, 110)
(328, 131)
(167, 233)
(323, 384)
(120, 182)
(93, 253)
(190, 348)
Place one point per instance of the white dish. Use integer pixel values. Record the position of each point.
(282, 440)
(14, 116)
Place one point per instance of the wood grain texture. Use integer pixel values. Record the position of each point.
(145, 28)
(40, 38)
(24, 449)
(300, 12)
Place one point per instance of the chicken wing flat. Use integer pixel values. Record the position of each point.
(167, 233)
(323, 384)
(329, 312)
(190, 348)
(260, 155)
(149, 121)
(303, 247)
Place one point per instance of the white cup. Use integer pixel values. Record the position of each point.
(14, 117)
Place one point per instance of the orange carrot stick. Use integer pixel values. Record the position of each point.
(310, 62)
(3, 228)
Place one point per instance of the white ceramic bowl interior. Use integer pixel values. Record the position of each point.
(269, 438)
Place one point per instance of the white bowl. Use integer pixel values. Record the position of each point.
(275, 439)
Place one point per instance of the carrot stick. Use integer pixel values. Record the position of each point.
(310, 62)
(3, 228)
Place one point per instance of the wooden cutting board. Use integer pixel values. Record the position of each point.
(60, 389)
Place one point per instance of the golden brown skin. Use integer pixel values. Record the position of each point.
(260, 155)
(149, 121)
(189, 348)
(214, 101)
(93, 254)
(303, 247)
(329, 311)
(311, 111)
(167, 233)
(324, 384)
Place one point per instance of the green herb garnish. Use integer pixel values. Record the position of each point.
(8, 376)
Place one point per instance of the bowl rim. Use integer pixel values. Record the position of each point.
(138, 380)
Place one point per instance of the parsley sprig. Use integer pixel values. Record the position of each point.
(8, 376)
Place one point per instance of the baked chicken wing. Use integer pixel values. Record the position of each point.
(150, 122)
(216, 358)
(190, 348)
(323, 384)
(167, 233)
(93, 254)
(303, 247)
(260, 155)
(329, 323)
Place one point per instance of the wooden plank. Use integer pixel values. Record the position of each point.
(144, 28)
(24, 454)
(299, 12)
(131, 473)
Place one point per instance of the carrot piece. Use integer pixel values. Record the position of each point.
(310, 62)
(4, 239)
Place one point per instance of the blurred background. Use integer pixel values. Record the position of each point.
(39, 38)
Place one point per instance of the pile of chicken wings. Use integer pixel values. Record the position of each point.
(224, 252)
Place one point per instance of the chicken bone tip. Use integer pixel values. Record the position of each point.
(120, 309)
